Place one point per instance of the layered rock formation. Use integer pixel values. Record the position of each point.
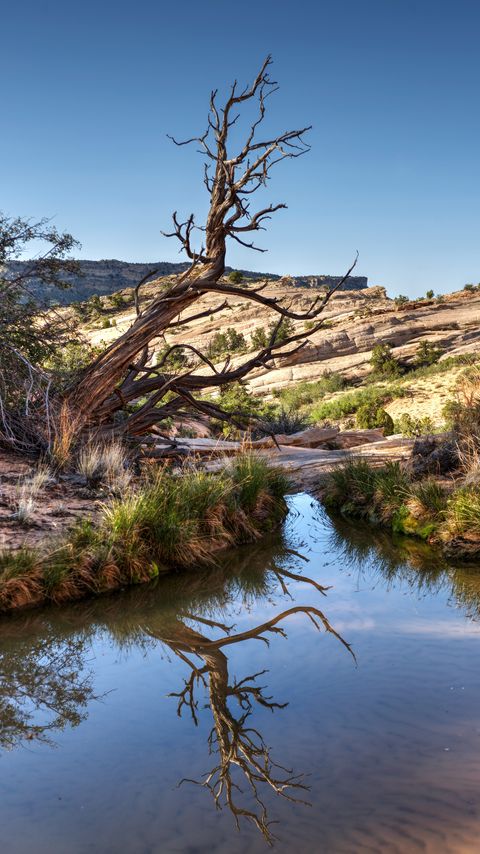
(107, 276)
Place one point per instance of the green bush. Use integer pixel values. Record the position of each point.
(305, 393)
(349, 402)
(430, 294)
(284, 331)
(401, 300)
(370, 415)
(383, 362)
(235, 277)
(259, 338)
(427, 354)
(224, 343)
(413, 427)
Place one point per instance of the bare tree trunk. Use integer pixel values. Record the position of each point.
(124, 373)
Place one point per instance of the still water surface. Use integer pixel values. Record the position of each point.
(107, 706)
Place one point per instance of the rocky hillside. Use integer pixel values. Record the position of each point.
(106, 277)
(355, 321)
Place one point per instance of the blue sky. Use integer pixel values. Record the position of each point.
(390, 86)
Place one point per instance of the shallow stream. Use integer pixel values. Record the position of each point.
(107, 706)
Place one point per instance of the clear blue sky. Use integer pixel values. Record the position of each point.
(391, 87)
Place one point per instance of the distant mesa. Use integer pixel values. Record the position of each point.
(107, 276)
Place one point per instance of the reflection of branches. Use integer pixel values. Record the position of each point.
(238, 746)
(43, 688)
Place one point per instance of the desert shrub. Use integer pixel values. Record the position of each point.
(305, 393)
(94, 303)
(284, 331)
(118, 300)
(401, 300)
(412, 427)
(383, 362)
(370, 415)
(106, 323)
(227, 342)
(235, 277)
(469, 287)
(286, 421)
(28, 492)
(237, 400)
(349, 402)
(70, 360)
(427, 354)
(259, 338)
(176, 360)
(430, 294)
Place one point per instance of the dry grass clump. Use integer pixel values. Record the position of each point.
(168, 522)
(105, 463)
(463, 512)
(426, 499)
(28, 492)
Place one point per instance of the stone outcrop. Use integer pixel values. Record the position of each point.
(107, 276)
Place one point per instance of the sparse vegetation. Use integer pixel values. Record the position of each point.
(412, 427)
(164, 523)
(446, 512)
(349, 402)
(28, 493)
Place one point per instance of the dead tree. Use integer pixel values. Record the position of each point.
(123, 373)
(241, 753)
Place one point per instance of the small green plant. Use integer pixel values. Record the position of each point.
(430, 294)
(28, 492)
(401, 300)
(304, 394)
(469, 287)
(106, 324)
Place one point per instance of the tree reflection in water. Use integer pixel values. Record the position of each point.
(44, 687)
(238, 746)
